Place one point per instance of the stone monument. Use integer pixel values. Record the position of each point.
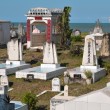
(89, 55)
(14, 48)
(105, 47)
(50, 56)
(56, 84)
(66, 90)
(89, 62)
(4, 80)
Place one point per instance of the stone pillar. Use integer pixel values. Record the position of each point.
(66, 90)
(28, 34)
(89, 55)
(13, 50)
(49, 31)
(50, 54)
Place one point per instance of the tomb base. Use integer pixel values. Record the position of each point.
(92, 68)
(97, 74)
(10, 67)
(44, 72)
(50, 65)
(9, 62)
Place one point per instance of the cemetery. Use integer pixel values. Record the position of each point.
(50, 66)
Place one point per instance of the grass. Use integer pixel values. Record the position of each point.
(21, 87)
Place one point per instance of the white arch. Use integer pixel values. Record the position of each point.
(38, 21)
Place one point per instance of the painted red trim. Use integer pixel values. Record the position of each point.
(38, 18)
(48, 35)
(28, 30)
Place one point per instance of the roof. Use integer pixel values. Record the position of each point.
(98, 28)
(43, 11)
(3, 21)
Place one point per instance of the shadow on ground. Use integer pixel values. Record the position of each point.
(64, 64)
(42, 107)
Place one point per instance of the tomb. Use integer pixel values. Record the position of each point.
(50, 67)
(14, 50)
(89, 67)
(37, 23)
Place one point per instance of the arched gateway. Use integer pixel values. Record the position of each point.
(41, 17)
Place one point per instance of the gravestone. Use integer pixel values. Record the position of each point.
(50, 54)
(14, 47)
(89, 55)
(56, 84)
(105, 46)
(21, 30)
(66, 90)
(4, 80)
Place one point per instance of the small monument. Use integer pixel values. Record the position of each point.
(56, 84)
(4, 80)
(105, 47)
(89, 62)
(66, 90)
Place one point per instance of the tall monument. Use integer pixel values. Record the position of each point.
(89, 55)
(14, 47)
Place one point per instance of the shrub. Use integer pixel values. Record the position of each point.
(76, 38)
(31, 100)
(88, 74)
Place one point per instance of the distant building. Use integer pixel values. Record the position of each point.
(4, 32)
(76, 32)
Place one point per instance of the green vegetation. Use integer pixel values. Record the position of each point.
(76, 38)
(88, 74)
(63, 24)
(31, 100)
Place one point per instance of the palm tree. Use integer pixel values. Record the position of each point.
(63, 25)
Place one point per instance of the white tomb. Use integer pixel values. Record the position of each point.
(50, 67)
(14, 62)
(89, 62)
(56, 84)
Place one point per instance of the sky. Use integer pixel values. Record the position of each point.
(83, 11)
